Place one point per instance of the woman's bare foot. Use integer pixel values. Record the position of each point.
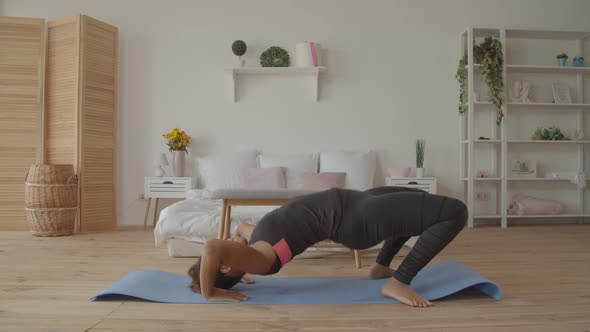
(378, 271)
(404, 293)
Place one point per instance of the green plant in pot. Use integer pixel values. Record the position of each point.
(549, 134)
(562, 59)
(489, 54)
(239, 48)
(420, 146)
(275, 56)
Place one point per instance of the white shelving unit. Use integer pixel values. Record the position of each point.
(500, 145)
(313, 72)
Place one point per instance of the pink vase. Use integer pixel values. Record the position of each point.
(178, 162)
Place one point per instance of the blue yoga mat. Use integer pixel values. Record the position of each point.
(433, 282)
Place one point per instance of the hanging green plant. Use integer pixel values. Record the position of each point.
(461, 76)
(275, 57)
(489, 55)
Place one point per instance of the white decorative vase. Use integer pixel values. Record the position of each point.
(241, 62)
(178, 163)
(158, 171)
(420, 172)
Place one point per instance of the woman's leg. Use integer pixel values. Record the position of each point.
(390, 248)
(437, 219)
(451, 219)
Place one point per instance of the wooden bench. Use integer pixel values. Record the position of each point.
(263, 197)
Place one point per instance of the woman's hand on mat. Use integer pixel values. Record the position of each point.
(224, 295)
(195, 288)
(247, 280)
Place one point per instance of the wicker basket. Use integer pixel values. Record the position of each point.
(51, 199)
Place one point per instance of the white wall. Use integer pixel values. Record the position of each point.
(390, 78)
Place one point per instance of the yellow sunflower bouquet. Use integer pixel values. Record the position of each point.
(178, 140)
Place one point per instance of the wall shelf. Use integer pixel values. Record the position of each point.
(540, 69)
(548, 69)
(548, 216)
(536, 179)
(549, 106)
(516, 179)
(546, 142)
(550, 35)
(314, 72)
(524, 141)
(497, 216)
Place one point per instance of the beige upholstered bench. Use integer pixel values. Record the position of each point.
(262, 197)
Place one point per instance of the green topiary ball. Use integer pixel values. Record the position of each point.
(275, 57)
(239, 47)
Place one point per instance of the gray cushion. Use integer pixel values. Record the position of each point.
(242, 193)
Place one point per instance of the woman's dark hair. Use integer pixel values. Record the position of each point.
(221, 280)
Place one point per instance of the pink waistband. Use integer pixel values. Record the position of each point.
(283, 251)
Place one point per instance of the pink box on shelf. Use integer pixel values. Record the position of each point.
(400, 172)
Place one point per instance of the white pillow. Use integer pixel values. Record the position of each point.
(359, 167)
(296, 166)
(225, 170)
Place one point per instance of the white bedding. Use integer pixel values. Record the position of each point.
(197, 218)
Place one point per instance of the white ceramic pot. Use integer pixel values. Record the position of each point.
(420, 172)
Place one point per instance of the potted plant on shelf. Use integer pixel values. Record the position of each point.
(177, 143)
(275, 56)
(239, 48)
(578, 61)
(420, 145)
(549, 134)
(562, 59)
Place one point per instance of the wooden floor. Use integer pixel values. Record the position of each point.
(544, 271)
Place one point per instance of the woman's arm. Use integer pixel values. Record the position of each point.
(235, 255)
(244, 231)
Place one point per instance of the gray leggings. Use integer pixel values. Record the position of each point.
(403, 213)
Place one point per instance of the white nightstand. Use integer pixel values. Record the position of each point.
(163, 187)
(426, 184)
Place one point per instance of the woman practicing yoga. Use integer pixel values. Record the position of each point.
(355, 219)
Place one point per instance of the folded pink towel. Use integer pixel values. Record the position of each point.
(528, 205)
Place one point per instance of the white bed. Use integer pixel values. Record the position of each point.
(196, 219)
